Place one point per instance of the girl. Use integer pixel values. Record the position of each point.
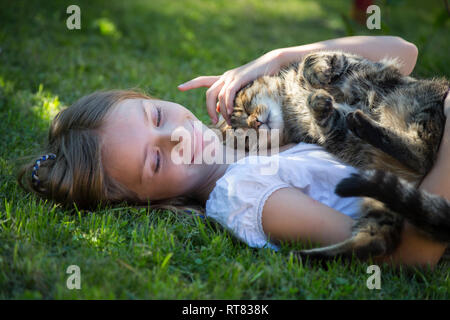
(121, 145)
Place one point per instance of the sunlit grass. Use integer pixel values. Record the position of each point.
(133, 253)
(107, 28)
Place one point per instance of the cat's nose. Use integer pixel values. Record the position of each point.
(253, 122)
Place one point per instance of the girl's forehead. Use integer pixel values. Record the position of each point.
(123, 125)
(129, 103)
(141, 102)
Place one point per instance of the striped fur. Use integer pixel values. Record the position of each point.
(429, 213)
(370, 116)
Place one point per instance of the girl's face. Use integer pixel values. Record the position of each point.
(139, 148)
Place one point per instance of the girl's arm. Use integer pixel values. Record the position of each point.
(223, 88)
(290, 215)
(437, 181)
(373, 48)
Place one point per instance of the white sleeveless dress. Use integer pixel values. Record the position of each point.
(238, 197)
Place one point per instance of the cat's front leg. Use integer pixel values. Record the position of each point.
(320, 103)
(329, 129)
(328, 119)
(320, 69)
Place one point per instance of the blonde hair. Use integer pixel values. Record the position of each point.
(76, 175)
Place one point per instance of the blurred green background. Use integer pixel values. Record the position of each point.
(155, 45)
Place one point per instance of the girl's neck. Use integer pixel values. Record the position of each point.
(208, 184)
(215, 172)
(218, 170)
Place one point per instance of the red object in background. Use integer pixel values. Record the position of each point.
(359, 10)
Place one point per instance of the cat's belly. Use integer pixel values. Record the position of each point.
(345, 108)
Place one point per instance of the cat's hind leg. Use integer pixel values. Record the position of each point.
(384, 139)
(376, 233)
(427, 212)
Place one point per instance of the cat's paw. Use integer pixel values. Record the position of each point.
(321, 69)
(320, 103)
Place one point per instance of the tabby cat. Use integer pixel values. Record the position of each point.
(370, 116)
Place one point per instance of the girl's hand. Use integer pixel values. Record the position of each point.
(222, 89)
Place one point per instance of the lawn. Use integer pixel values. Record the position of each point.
(136, 253)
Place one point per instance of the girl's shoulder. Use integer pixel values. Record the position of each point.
(239, 195)
(298, 166)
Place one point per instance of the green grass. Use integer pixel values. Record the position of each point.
(155, 45)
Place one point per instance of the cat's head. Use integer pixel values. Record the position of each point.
(260, 112)
(256, 135)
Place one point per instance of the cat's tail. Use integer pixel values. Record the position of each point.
(429, 213)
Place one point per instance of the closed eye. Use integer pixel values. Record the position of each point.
(158, 161)
(159, 116)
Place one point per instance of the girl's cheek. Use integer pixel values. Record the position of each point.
(176, 176)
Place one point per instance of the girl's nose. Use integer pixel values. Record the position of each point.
(174, 136)
(177, 141)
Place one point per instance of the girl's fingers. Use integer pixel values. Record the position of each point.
(211, 99)
(203, 81)
(222, 105)
(230, 93)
